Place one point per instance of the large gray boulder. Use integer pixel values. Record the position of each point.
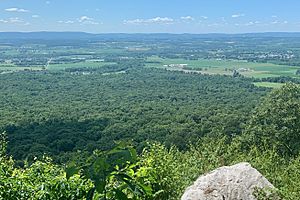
(236, 182)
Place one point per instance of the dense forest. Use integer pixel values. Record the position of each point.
(269, 141)
(61, 113)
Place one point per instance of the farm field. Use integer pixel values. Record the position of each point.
(55, 67)
(268, 84)
(12, 67)
(214, 66)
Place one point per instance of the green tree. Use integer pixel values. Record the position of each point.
(42, 180)
(113, 174)
(277, 121)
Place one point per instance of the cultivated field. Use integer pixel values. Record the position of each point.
(248, 69)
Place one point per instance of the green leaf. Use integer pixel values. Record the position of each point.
(71, 170)
(98, 170)
(146, 189)
(100, 186)
(133, 187)
(133, 154)
(90, 194)
(123, 176)
(120, 195)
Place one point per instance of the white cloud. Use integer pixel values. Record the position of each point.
(277, 22)
(66, 22)
(204, 17)
(83, 20)
(160, 20)
(215, 25)
(187, 18)
(249, 24)
(35, 16)
(87, 20)
(252, 23)
(134, 21)
(274, 16)
(16, 10)
(3, 21)
(237, 15)
(156, 20)
(14, 20)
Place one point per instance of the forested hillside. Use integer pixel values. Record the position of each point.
(60, 113)
(164, 173)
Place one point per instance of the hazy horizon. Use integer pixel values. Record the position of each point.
(145, 33)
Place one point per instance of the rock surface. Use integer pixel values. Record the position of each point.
(236, 182)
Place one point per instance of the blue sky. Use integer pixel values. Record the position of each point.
(148, 16)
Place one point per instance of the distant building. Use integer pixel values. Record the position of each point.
(178, 65)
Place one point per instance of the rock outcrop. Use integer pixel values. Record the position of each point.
(236, 182)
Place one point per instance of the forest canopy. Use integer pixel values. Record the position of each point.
(61, 113)
(164, 173)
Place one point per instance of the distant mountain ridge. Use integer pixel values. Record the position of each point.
(90, 36)
(45, 35)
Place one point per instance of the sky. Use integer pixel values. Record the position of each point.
(150, 16)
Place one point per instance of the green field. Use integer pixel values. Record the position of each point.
(251, 69)
(12, 67)
(268, 84)
(56, 67)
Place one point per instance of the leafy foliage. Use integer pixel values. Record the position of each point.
(38, 181)
(113, 174)
(166, 171)
(277, 120)
(176, 170)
